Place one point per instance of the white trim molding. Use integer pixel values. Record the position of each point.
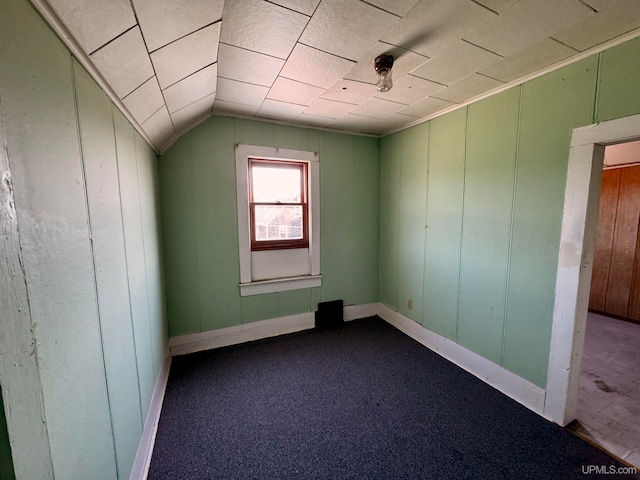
(223, 337)
(307, 266)
(510, 384)
(142, 461)
(577, 244)
(280, 285)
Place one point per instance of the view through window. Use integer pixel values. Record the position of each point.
(278, 204)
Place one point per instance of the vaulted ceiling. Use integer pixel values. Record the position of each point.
(171, 63)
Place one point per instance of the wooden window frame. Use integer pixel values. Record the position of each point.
(262, 245)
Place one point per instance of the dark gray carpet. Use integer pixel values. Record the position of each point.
(364, 402)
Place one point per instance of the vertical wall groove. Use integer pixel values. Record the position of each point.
(126, 262)
(511, 223)
(93, 258)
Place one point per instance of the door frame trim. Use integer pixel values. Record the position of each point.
(575, 259)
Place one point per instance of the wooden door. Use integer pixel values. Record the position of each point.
(615, 285)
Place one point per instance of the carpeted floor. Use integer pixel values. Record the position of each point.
(363, 402)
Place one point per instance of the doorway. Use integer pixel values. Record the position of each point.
(577, 246)
(608, 405)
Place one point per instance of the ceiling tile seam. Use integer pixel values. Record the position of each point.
(338, 101)
(253, 51)
(291, 9)
(285, 101)
(297, 39)
(328, 53)
(189, 75)
(444, 100)
(481, 47)
(195, 101)
(139, 86)
(414, 75)
(327, 89)
(113, 39)
(566, 45)
(184, 36)
(242, 81)
(487, 76)
(377, 7)
(485, 7)
(589, 6)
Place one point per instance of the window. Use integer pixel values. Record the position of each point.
(278, 204)
(278, 194)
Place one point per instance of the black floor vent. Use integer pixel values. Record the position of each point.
(329, 314)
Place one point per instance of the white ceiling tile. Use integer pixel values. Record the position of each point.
(470, 87)
(348, 91)
(144, 100)
(291, 91)
(199, 85)
(221, 106)
(395, 120)
(358, 123)
(329, 108)
(614, 19)
(409, 89)
(124, 63)
(94, 23)
(262, 27)
(346, 29)
(187, 55)
(434, 25)
(315, 121)
(498, 6)
(246, 66)
(303, 6)
(314, 67)
(529, 60)
(405, 61)
(163, 21)
(279, 110)
(159, 127)
(377, 108)
(456, 63)
(194, 113)
(526, 23)
(398, 7)
(237, 92)
(425, 107)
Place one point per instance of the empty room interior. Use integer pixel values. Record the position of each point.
(443, 161)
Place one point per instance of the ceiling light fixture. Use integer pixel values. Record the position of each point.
(383, 65)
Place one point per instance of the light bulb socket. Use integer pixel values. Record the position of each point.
(383, 65)
(383, 62)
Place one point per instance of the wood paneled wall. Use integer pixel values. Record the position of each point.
(615, 285)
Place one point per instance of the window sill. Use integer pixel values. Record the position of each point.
(280, 285)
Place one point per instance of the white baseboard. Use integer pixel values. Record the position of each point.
(145, 447)
(354, 312)
(510, 384)
(223, 337)
(197, 342)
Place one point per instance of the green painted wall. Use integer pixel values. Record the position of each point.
(199, 218)
(487, 181)
(86, 199)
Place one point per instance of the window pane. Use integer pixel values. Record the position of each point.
(275, 222)
(273, 184)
